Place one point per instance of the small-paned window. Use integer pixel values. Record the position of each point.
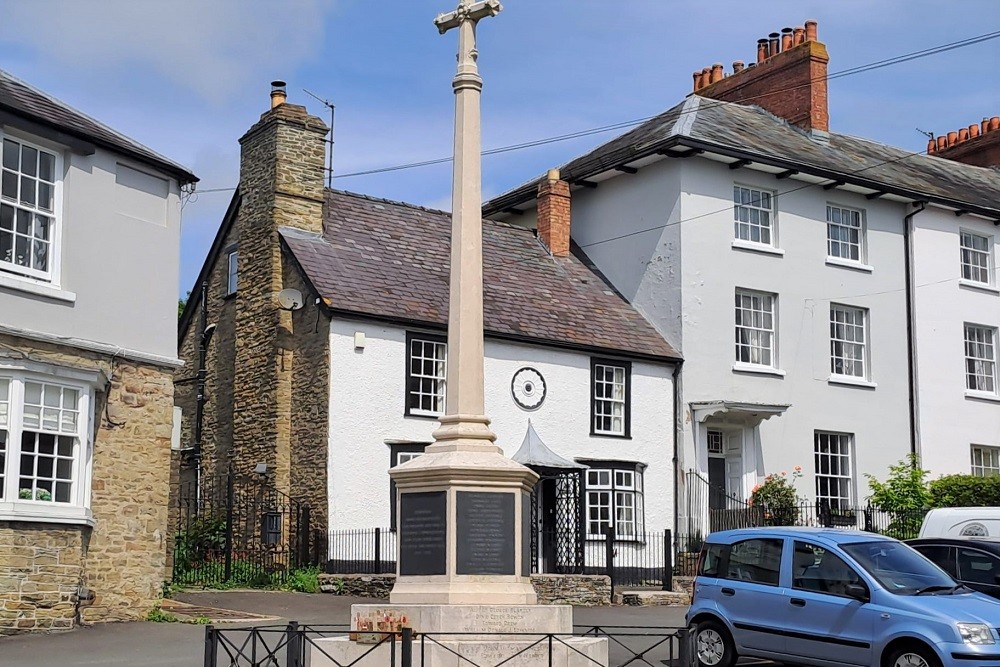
(610, 382)
(977, 258)
(845, 233)
(753, 215)
(426, 375)
(985, 461)
(848, 341)
(28, 214)
(755, 335)
(980, 358)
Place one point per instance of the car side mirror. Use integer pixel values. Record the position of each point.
(857, 591)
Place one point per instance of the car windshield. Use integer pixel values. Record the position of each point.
(899, 569)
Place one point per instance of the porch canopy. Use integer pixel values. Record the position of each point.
(750, 414)
(536, 455)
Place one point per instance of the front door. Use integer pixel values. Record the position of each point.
(717, 483)
(734, 466)
(549, 525)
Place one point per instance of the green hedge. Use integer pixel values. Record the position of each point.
(965, 491)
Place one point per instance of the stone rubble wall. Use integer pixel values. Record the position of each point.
(122, 559)
(578, 590)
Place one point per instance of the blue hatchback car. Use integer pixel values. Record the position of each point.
(816, 596)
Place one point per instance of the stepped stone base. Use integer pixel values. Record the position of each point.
(483, 634)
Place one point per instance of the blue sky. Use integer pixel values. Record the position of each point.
(188, 77)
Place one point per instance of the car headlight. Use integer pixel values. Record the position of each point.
(975, 633)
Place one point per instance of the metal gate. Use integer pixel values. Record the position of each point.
(557, 522)
(237, 531)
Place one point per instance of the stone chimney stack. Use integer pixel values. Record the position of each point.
(281, 185)
(554, 214)
(789, 78)
(978, 144)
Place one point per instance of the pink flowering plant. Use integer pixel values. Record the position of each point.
(777, 498)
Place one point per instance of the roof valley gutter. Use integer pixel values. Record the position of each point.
(911, 346)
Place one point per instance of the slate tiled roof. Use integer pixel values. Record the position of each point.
(391, 260)
(23, 99)
(750, 132)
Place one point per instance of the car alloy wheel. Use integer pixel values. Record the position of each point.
(713, 646)
(912, 657)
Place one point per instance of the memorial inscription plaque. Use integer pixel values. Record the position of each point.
(525, 535)
(485, 524)
(423, 533)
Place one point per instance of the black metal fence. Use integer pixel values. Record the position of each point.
(232, 530)
(296, 645)
(634, 560)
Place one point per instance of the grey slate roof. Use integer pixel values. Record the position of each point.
(390, 260)
(749, 132)
(24, 100)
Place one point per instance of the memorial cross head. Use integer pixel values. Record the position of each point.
(467, 11)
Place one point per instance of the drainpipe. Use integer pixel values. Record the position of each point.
(911, 346)
(676, 459)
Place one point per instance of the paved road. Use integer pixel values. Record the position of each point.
(180, 645)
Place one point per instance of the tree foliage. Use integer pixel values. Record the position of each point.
(904, 490)
(965, 491)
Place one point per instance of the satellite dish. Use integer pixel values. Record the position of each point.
(290, 299)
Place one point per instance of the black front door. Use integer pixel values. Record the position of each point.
(549, 524)
(716, 483)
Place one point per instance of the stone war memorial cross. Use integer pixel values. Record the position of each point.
(464, 542)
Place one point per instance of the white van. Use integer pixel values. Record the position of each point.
(962, 522)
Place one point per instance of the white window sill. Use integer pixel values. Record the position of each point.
(851, 381)
(740, 367)
(983, 287)
(36, 287)
(765, 249)
(849, 264)
(45, 512)
(982, 395)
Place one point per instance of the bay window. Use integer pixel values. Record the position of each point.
(614, 498)
(44, 447)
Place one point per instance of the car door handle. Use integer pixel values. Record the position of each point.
(798, 602)
(729, 591)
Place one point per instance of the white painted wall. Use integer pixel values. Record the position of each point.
(367, 396)
(950, 421)
(118, 273)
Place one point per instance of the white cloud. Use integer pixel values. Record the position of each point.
(212, 48)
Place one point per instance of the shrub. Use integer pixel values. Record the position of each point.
(965, 491)
(777, 498)
(201, 540)
(303, 580)
(157, 615)
(904, 496)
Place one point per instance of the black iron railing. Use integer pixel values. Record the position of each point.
(296, 645)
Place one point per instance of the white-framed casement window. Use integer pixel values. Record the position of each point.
(29, 209)
(985, 461)
(753, 215)
(980, 358)
(977, 258)
(845, 233)
(755, 330)
(848, 341)
(615, 499)
(426, 374)
(609, 401)
(232, 274)
(834, 469)
(44, 448)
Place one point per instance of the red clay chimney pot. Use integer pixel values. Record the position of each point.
(812, 31)
(994, 123)
(786, 39)
(963, 135)
(774, 43)
(738, 66)
(942, 143)
(931, 145)
(973, 131)
(697, 80)
(799, 36)
(952, 138)
(984, 127)
(717, 72)
(762, 52)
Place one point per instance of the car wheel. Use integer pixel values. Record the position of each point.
(913, 656)
(713, 647)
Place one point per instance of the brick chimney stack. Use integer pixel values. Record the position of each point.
(789, 78)
(281, 185)
(978, 144)
(554, 214)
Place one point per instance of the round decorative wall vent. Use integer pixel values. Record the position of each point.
(528, 388)
(975, 530)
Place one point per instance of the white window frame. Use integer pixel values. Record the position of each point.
(757, 337)
(743, 230)
(232, 272)
(12, 506)
(862, 244)
(845, 349)
(618, 491)
(967, 252)
(985, 460)
(980, 359)
(51, 277)
(844, 498)
(439, 379)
